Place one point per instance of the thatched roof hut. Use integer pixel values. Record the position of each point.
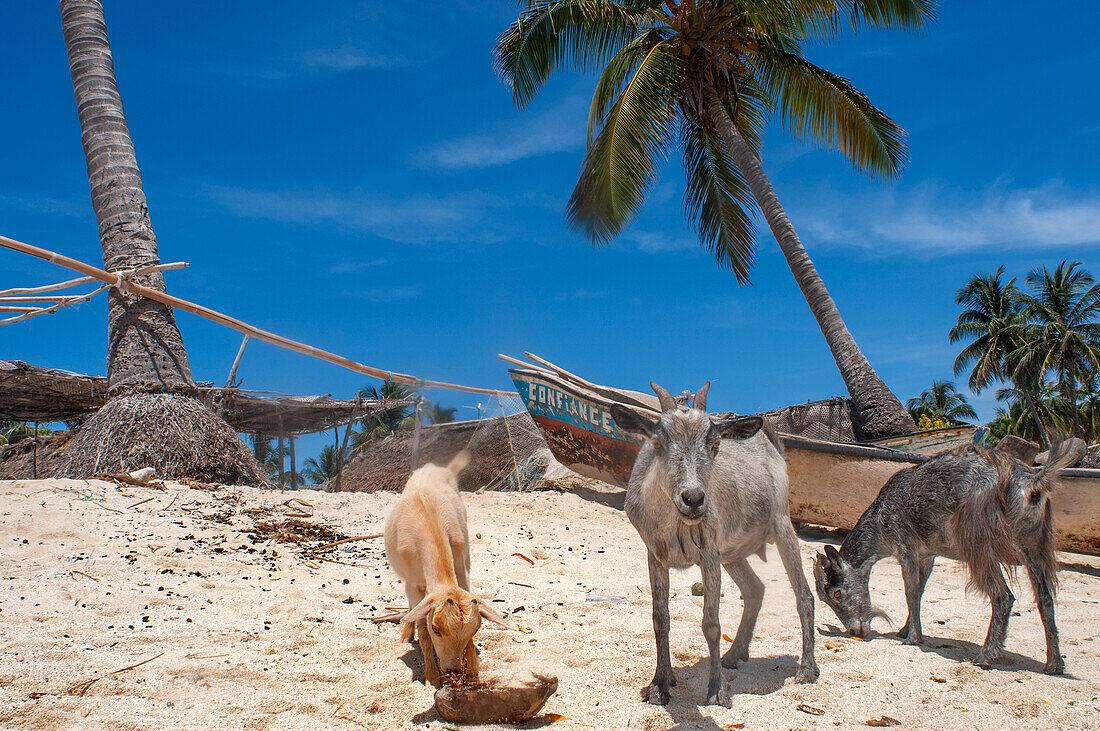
(497, 448)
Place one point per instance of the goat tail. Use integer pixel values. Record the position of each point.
(1061, 457)
(459, 461)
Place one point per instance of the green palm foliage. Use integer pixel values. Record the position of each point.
(661, 60)
(1016, 416)
(991, 320)
(941, 402)
(266, 454)
(707, 77)
(378, 425)
(1061, 332)
(437, 414)
(322, 469)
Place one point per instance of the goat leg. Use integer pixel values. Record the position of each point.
(1001, 600)
(787, 543)
(1042, 583)
(752, 597)
(657, 692)
(712, 628)
(914, 573)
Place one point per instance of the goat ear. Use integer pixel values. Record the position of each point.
(740, 427)
(420, 611)
(631, 421)
(487, 611)
(833, 554)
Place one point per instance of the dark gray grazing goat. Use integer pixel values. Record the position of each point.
(710, 493)
(984, 508)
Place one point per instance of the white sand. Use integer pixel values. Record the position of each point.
(238, 644)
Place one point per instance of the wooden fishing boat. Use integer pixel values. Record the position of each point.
(831, 482)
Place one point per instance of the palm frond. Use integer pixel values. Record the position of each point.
(826, 108)
(622, 162)
(551, 33)
(718, 200)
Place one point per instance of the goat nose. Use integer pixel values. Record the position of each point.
(693, 498)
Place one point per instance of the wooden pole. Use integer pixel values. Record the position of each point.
(293, 465)
(237, 362)
(344, 448)
(120, 280)
(34, 469)
(416, 431)
(282, 465)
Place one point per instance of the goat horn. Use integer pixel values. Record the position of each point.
(663, 396)
(701, 397)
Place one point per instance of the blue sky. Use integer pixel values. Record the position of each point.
(355, 176)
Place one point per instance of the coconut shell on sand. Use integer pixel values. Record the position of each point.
(512, 699)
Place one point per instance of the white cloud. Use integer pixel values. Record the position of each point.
(348, 267)
(934, 221)
(652, 242)
(390, 294)
(52, 206)
(347, 58)
(415, 219)
(561, 129)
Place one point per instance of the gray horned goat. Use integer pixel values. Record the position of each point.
(986, 509)
(710, 492)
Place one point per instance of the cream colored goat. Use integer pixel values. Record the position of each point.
(428, 546)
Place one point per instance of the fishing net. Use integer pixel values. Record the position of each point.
(507, 452)
(829, 420)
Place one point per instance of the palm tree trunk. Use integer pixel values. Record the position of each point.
(145, 349)
(876, 408)
(151, 418)
(1035, 415)
(1069, 393)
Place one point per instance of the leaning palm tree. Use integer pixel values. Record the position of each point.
(710, 75)
(1061, 333)
(324, 469)
(941, 401)
(991, 321)
(151, 418)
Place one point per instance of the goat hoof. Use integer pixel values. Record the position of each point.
(807, 674)
(987, 660)
(734, 657)
(715, 699)
(1055, 668)
(913, 640)
(655, 694)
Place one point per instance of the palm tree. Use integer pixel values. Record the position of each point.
(1018, 417)
(942, 401)
(386, 422)
(1061, 331)
(440, 414)
(991, 321)
(1089, 407)
(323, 470)
(266, 454)
(149, 376)
(711, 74)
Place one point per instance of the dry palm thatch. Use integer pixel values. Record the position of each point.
(175, 434)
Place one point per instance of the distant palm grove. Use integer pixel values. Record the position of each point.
(1039, 344)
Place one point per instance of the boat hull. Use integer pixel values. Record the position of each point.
(831, 483)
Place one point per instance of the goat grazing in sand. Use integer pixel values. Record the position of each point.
(709, 493)
(428, 546)
(984, 508)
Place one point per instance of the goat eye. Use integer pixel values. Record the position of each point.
(657, 444)
(837, 594)
(717, 443)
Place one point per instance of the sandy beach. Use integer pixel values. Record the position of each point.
(127, 607)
